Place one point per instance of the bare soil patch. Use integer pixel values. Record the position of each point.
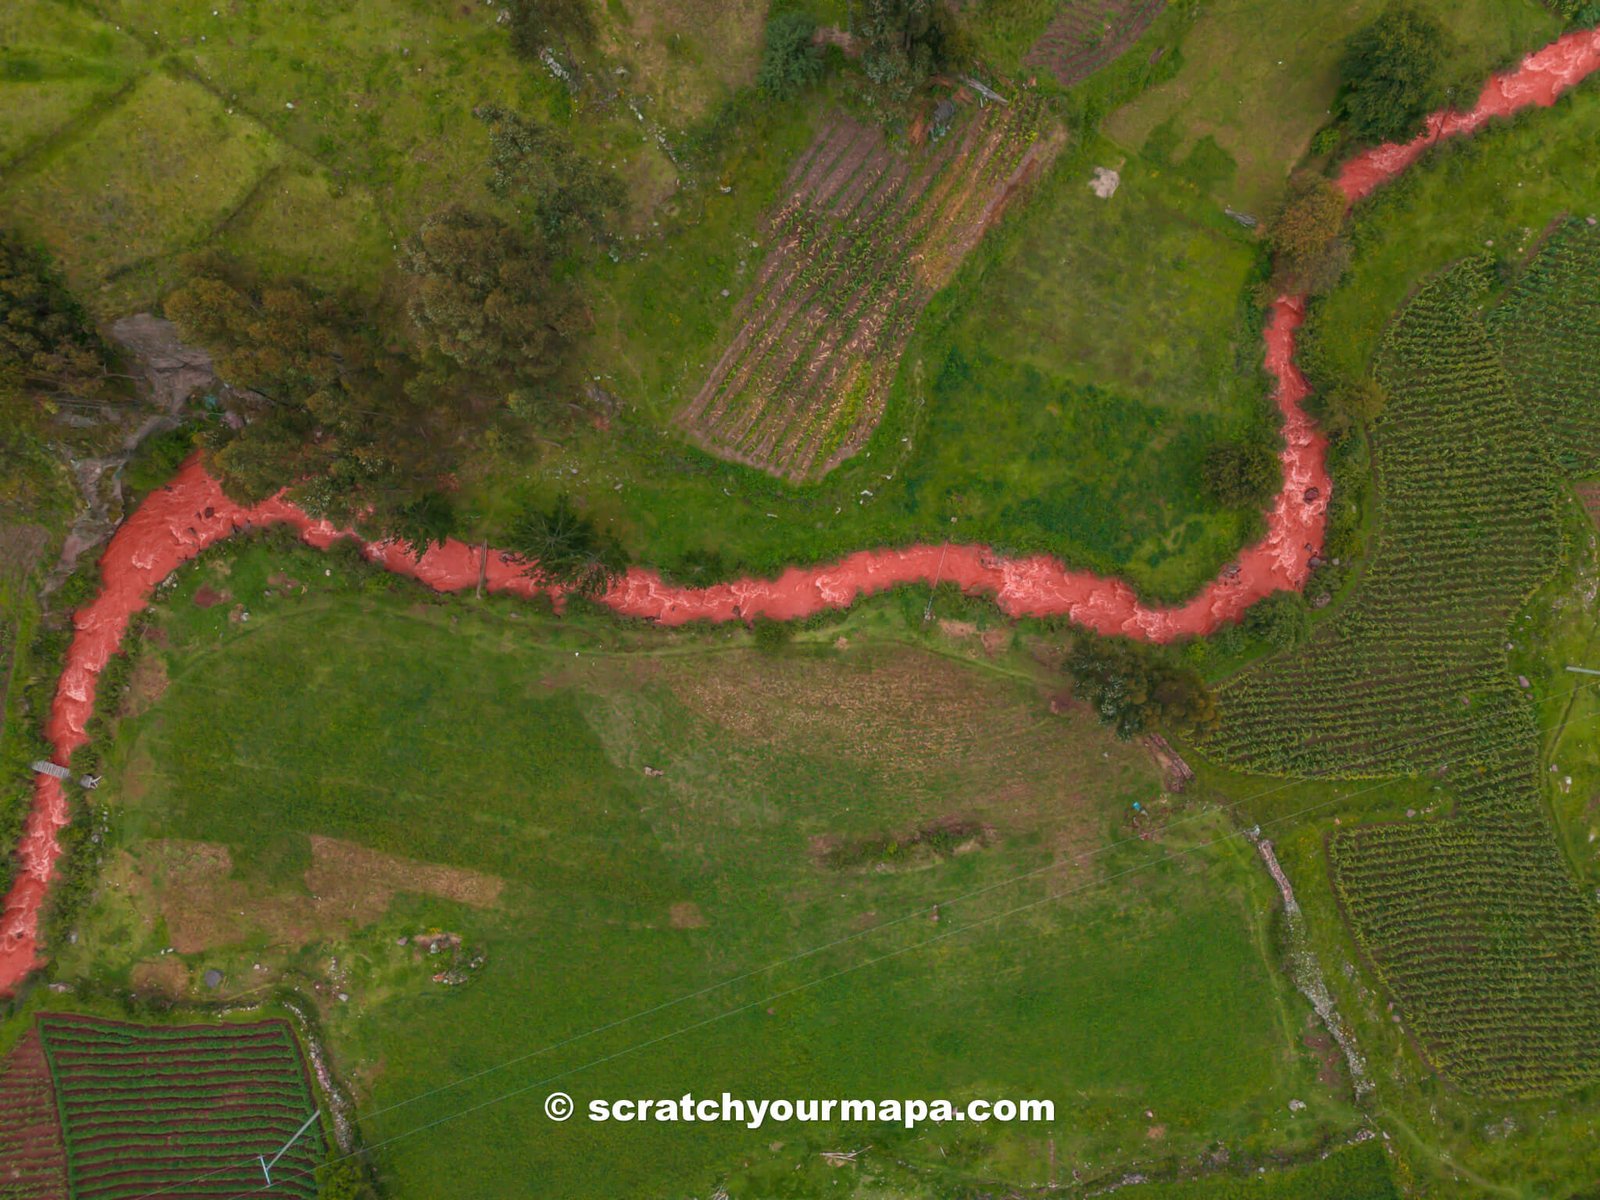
(209, 597)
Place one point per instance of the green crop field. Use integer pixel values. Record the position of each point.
(1462, 917)
(148, 1108)
(614, 819)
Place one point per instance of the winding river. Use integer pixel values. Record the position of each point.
(190, 513)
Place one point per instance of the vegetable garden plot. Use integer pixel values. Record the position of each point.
(1087, 34)
(866, 237)
(183, 1110)
(1474, 922)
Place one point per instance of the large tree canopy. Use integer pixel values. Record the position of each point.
(484, 295)
(324, 409)
(1390, 74)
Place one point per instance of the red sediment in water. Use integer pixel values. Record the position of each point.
(176, 523)
(1538, 80)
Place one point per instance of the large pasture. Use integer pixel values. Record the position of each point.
(616, 819)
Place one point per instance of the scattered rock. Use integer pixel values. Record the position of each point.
(1105, 182)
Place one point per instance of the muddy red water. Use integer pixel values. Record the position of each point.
(191, 513)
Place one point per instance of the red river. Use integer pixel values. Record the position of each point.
(189, 514)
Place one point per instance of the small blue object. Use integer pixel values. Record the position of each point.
(1136, 807)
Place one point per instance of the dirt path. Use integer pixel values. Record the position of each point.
(191, 513)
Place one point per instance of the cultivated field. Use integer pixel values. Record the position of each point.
(865, 237)
(1473, 922)
(33, 1158)
(1547, 328)
(184, 1109)
(1085, 35)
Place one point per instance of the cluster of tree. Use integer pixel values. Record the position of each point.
(905, 42)
(1134, 691)
(1282, 620)
(47, 345)
(567, 548)
(495, 297)
(1308, 253)
(1241, 474)
(486, 296)
(790, 60)
(1392, 74)
(1351, 404)
(326, 408)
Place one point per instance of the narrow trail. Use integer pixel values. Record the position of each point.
(191, 513)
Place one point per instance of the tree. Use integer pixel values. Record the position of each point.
(538, 24)
(790, 61)
(563, 547)
(535, 167)
(47, 344)
(1282, 620)
(485, 296)
(1240, 474)
(906, 41)
(1361, 401)
(1304, 236)
(324, 410)
(422, 521)
(1132, 691)
(1390, 74)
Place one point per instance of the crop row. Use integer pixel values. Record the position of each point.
(1473, 923)
(1547, 329)
(868, 235)
(184, 1110)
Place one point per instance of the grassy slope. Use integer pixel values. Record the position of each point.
(479, 737)
(1261, 86)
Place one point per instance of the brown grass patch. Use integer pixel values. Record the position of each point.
(166, 976)
(206, 596)
(686, 914)
(147, 683)
(192, 886)
(355, 885)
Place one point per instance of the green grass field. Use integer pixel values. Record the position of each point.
(1261, 86)
(492, 741)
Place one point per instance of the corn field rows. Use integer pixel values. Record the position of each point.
(868, 234)
(1547, 329)
(1473, 923)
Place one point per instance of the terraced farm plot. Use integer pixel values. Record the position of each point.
(33, 1158)
(1087, 34)
(1548, 331)
(179, 1109)
(868, 234)
(1473, 922)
